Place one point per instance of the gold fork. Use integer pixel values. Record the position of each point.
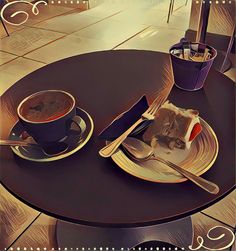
(149, 114)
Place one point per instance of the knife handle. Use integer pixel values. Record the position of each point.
(109, 149)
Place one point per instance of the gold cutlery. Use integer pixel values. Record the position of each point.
(6, 142)
(50, 150)
(149, 114)
(140, 151)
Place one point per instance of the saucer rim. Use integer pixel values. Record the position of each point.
(63, 155)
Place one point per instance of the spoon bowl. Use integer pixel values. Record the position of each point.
(138, 149)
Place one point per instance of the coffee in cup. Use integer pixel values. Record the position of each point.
(46, 106)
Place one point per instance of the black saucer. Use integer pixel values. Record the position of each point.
(75, 140)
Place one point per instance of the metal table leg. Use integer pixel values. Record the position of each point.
(69, 235)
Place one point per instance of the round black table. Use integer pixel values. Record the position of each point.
(92, 191)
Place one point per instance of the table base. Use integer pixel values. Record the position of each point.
(80, 237)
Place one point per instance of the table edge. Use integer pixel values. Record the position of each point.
(121, 225)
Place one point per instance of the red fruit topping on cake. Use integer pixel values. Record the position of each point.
(196, 130)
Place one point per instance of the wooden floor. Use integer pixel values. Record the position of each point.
(38, 43)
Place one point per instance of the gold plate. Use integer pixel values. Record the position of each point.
(198, 159)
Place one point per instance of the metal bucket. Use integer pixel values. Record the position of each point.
(190, 75)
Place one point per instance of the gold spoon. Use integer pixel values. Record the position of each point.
(7, 142)
(140, 151)
(50, 150)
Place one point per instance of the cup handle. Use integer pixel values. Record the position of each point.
(76, 120)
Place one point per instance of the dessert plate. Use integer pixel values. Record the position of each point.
(198, 159)
(76, 139)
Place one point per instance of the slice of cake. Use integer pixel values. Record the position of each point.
(173, 126)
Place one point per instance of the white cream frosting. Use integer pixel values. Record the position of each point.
(186, 113)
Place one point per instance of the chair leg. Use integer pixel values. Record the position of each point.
(169, 12)
(5, 28)
(229, 48)
(172, 7)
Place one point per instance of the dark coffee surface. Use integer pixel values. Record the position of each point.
(88, 189)
(46, 106)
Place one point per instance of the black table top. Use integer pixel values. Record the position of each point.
(88, 189)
